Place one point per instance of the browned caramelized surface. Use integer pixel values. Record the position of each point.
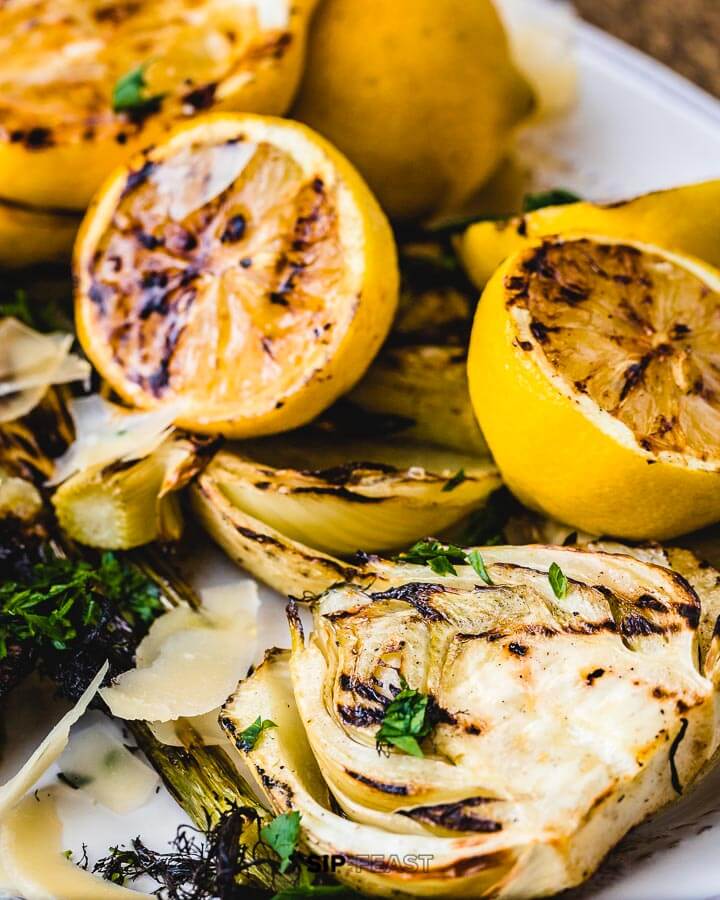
(60, 59)
(221, 275)
(637, 333)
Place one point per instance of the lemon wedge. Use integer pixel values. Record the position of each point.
(241, 272)
(594, 372)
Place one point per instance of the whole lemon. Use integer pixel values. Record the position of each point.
(422, 95)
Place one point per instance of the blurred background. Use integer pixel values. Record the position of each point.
(684, 34)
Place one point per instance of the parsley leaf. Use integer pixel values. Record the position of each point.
(455, 481)
(129, 91)
(18, 308)
(282, 835)
(251, 735)
(555, 197)
(59, 597)
(442, 558)
(306, 888)
(405, 722)
(558, 581)
(478, 563)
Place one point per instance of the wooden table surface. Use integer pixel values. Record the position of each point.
(684, 34)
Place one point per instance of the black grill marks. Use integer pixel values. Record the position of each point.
(138, 177)
(272, 785)
(455, 816)
(234, 230)
(201, 97)
(635, 625)
(518, 649)
(362, 689)
(593, 676)
(690, 612)
(398, 790)
(348, 473)
(647, 601)
(97, 294)
(33, 139)
(419, 595)
(116, 13)
(360, 716)
(37, 138)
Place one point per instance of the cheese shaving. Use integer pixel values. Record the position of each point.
(34, 864)
(107, 433)
(190, 661)
(48, 751)
(272, 13)
(29, 363)
(193, 177)
(100, 765)
(206, 726)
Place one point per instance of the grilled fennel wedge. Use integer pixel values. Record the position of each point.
(420, 376)
(128, 503)
(599, 700)
(286, 509)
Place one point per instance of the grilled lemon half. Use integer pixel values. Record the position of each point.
(241, 271)
(84, 83)
(601, 360)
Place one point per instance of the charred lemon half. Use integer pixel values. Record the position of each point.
(84, 83)
(241, 272)
(594, 372)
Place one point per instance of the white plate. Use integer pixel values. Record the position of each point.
(637, 127)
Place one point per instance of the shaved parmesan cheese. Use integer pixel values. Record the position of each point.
(97, 763)
(106, 433)
(206, 726)
(195, 176)
(272, 13)
(190, 661)
(29, 363)
(35, 864)
(48, 751)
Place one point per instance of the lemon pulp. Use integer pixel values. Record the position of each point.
(636, 332)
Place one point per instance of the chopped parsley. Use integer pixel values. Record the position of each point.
(558, 581)
(442, 558)
(18, 308)
(282, 835)
(405, 722)
(251, 735)
(476, 561)
(455, 481)
(129, 92)
(43, 313)
(554, 197)
(307, 888)
(60, 597)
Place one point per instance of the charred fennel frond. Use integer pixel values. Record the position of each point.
(128, 504)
